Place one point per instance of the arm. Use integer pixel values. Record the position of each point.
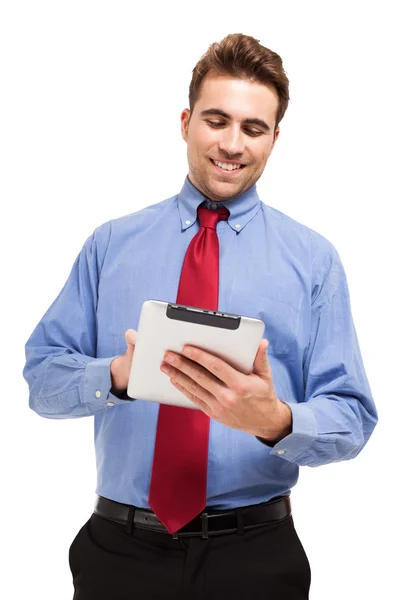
(338, 414)
(64, 376)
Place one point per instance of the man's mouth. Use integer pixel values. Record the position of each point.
(227, 167)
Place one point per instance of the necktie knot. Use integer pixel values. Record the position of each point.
(209, 218)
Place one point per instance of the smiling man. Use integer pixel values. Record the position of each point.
(230, 134)
(190, 503)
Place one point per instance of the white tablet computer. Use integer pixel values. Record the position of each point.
(167, 326)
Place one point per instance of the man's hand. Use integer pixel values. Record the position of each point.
(246, 402)
(121, 366)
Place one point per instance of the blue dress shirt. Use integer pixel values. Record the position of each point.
(272, 268)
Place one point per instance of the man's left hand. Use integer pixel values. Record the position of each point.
(246, 402)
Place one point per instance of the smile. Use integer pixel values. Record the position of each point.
(227, 167)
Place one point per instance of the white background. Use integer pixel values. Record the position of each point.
(91, 98)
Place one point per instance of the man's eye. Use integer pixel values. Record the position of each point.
(251, 132)
(254, 133)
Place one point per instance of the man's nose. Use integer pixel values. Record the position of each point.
(232, 143)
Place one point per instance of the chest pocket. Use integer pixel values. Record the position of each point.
(279, 311)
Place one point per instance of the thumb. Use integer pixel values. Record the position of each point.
(130, 338)
(261, 364)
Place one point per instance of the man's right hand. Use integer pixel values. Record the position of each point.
(121, 366)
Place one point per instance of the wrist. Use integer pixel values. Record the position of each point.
(282, 427)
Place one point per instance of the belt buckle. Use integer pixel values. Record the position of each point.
(204, 529)
(204, 525)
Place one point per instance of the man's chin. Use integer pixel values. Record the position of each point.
(224, 190)
(217, 190)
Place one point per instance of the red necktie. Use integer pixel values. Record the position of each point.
(179, 475)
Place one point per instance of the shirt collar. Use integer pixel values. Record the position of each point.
(242, 208)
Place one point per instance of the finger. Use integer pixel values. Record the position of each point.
(191, 385)
(215, 365)
(193, 398)
(131, 336)
(261, 363)
(199, 374)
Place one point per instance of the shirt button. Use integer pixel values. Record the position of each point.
(187, 222)
(214, 205)
(110, 403)
(238, 226)
(281, 452)
(98, 394)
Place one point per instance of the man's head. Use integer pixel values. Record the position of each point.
(238, 95)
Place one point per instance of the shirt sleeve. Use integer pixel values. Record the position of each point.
(338, 414)
(64, 376)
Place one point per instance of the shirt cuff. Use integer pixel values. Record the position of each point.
(304, 433)
(98, 383)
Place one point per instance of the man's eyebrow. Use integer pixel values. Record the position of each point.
(218, 111)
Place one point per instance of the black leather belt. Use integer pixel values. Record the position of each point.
(210, 522)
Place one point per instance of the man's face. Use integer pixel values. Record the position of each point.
(232, 122)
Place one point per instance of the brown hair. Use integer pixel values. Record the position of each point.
(242, 56)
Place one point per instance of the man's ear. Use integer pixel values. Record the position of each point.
(277, 132)
(185, 116)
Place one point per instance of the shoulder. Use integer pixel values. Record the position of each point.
(310, 250)
(134, 221)
(114, 232)
(298, 234)
(131, 223)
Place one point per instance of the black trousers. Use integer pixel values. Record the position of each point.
(268, 562)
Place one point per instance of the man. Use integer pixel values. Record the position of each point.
(229, 531)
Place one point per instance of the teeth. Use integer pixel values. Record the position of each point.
(226, 166)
